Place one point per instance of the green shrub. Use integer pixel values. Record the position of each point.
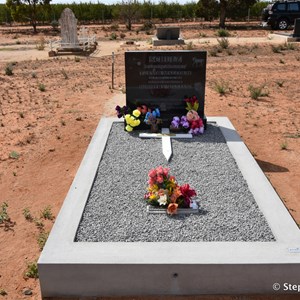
(113, 36)
(42, 239)
(223, 42)
(14, 155)
(221, 87)
(46, 213)
(223, 33)
(27, 214)
(54, 24)
(258, 91)
(9, 70)
(42, 87)
(32, 270)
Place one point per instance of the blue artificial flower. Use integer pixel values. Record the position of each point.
(157, 112)
(147, 117)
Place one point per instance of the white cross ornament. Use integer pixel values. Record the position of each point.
(166, 136)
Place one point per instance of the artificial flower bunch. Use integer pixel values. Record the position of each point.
(164, 191)
(191, 122)
(152, 119)
(132, 119)
(141, 114)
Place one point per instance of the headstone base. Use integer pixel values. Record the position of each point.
(158, 42)
(180, 211)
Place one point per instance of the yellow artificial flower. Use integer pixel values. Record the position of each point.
(153, 188)
(153, 197)
(131, 121)
(136, 113)
(127, 117)
(136, 123)
(128, 128)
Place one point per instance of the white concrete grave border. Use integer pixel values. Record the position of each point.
(68, 268)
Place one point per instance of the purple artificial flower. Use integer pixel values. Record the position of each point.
(125, 110)
(175, 124)
(196, 130)
(184, 122)
(118, 108)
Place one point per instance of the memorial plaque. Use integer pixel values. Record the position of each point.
(163, 79)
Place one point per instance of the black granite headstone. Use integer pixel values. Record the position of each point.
(297, 28)
(163, 79)
(168, 33)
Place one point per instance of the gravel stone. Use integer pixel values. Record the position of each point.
(116, 209)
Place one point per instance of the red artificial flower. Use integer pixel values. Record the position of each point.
(187, 192)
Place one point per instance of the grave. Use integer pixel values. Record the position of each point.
(167, 36)
(70, 42)
(104, 242)
(112, 266)
(163, 78)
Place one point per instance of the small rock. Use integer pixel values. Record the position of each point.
(27, 292)
(51, 149)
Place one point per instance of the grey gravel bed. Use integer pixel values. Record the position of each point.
(116, 210)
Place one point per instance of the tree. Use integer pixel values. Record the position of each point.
(232, 5)
(27, 10)
(130, 10)
(208, 9)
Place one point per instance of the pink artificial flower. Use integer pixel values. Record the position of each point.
(165, 172)
(192, 115)
(152, 173)
(159, 170)
(160, 179)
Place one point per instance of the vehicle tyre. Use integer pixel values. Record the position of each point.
(283, 24)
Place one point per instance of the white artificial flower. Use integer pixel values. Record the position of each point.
(162, 200)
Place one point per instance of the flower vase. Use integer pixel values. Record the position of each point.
(154, 128)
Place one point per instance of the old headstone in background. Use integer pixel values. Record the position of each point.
(68, 27)
(163, 78)
(70, 43)
(167, 36)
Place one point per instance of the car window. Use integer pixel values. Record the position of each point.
(281, 6)
(293, 7)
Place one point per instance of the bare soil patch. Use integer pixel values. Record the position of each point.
(45, 132)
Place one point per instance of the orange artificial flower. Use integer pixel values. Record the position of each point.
(172, 209)
(176, 193)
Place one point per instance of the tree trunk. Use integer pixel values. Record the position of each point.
(34, 27)
(129, 24)
(223, 6)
